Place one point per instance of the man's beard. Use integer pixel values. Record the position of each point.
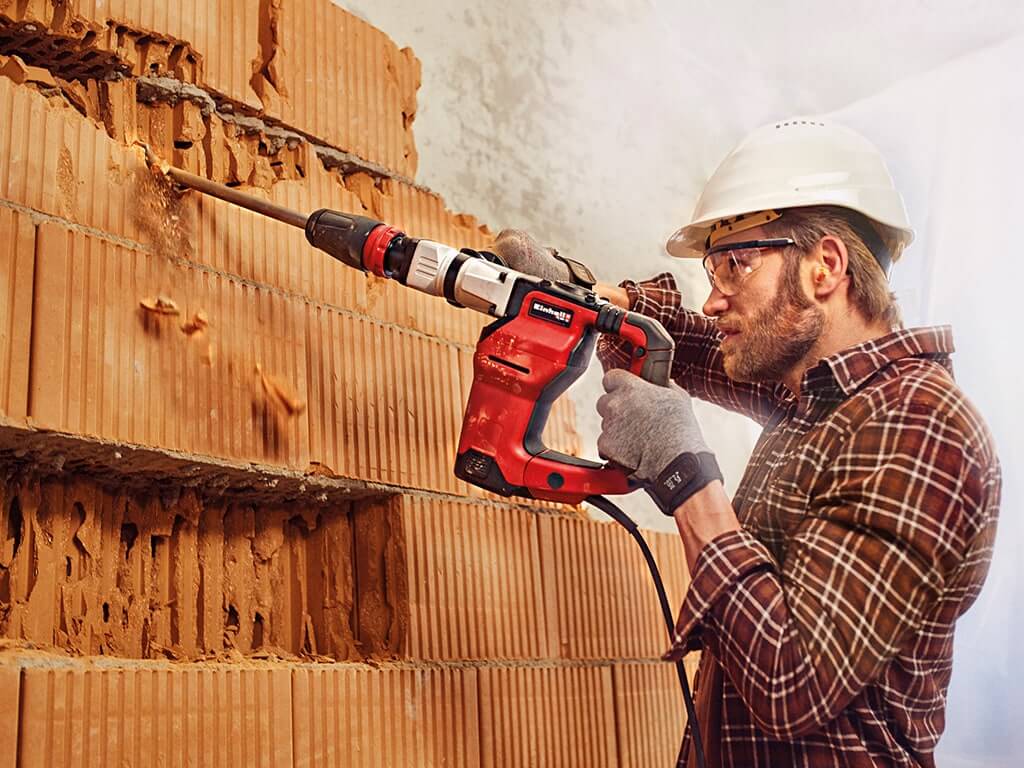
(777, 338)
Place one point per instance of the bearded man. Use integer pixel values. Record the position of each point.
(824, 594)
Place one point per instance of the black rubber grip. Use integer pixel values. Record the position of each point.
(342, 235)
(657, 367)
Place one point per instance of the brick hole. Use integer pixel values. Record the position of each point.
(79, 547)
(154, 545)
(233, 624)
(129, 533)
(232, 184)
(106, 613)
(67, 566)
(257, 631)
(15, 523)
(182, 144)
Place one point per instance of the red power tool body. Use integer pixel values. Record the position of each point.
(540, 343)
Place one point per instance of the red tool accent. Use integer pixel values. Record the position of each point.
(521, 365)
(376, 247)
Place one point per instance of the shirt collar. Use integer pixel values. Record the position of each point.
(851, 368)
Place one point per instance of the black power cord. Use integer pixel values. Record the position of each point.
(626, 522)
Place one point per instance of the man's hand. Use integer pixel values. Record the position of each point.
(524, 254)
(644, 427)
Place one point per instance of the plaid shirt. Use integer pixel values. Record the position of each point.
(868, 514)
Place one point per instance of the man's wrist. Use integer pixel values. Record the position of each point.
(687, 474)
(702, 518)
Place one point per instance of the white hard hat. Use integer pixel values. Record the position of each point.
(793, 163)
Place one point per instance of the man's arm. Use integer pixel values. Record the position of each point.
(889, 520)
(697, 365)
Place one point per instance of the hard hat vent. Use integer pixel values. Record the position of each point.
(799, 122)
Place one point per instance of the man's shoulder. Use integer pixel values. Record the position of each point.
(916, 390)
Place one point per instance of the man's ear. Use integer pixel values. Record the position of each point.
(830, 264)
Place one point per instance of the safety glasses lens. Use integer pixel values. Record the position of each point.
(726, 270)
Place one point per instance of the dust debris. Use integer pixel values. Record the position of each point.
(319, 469)
(160, 305)
(197, 324)
(159, 211)
(279, 395)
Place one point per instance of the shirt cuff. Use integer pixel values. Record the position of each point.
(658, 298)
(722, 562)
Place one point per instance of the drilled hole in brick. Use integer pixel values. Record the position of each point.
(67, 566)
(232, 624)
(129, 533)
(182, 144)
(106, 612)
(14, 525)
(299, 523)
(232, 184)
(257, 632)
(155, 543)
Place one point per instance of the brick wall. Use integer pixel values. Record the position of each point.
(229, 529)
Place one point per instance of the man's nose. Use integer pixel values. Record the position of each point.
(716, 304)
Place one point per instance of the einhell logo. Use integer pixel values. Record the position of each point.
(552, 314)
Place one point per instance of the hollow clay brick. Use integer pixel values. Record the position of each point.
(77, 714)
(475, 590)
(17, 266)
(383, 403)
(381, 579)
(308, 64)
(54, 160)
(348, 717)
(547, 716)
(104, 366)
(213, 47)
(343, 81)
(601, 594)
(649, 714)
(10, 699)
(91, 570)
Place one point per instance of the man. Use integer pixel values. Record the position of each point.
(824, 595)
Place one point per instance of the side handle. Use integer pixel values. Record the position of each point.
(652, 347)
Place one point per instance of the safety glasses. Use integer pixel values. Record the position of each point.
(727, 266)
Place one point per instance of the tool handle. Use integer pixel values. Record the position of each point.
(651, 345)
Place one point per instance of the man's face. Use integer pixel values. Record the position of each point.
(771, 324)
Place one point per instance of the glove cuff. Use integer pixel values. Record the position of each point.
(579, 274)
(687, 474)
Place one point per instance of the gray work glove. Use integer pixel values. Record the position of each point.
(651, 430)
(524, 254)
